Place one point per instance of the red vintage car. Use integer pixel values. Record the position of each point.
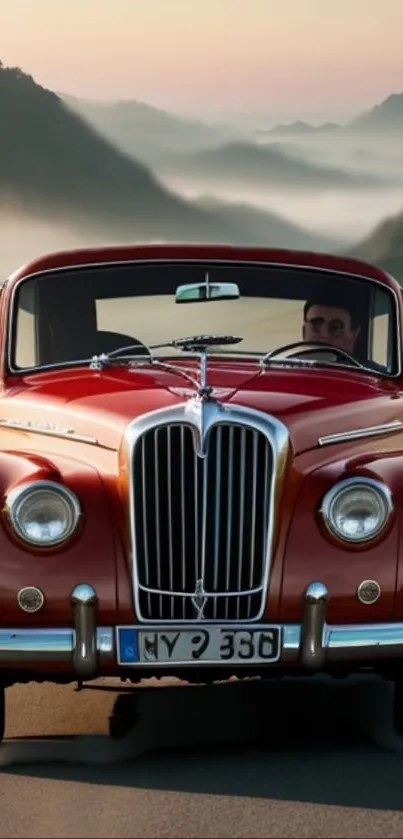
(201, 466)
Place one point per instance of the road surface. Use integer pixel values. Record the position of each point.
(316, 773)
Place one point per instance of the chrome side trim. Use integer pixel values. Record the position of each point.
(360, 433)
(202, 415)
(348, 642)
(39, 428)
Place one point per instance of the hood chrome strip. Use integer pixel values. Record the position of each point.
(359, 433)
(48, 429)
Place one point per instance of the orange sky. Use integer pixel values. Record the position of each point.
(214, 56)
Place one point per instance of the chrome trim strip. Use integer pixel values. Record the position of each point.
(371, 636)
(234, 593)
(202, 416)
(21, 425)
(49, 645)
(197, 261)
(360, 433)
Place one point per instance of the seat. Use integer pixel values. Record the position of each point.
(109, 341)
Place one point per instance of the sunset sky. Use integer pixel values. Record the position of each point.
(216, 56)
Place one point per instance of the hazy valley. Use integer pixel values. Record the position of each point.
(74, 172)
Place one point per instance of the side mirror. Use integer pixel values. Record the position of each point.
(199, 292)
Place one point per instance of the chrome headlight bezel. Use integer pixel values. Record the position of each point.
(20, 494)
(343, 487)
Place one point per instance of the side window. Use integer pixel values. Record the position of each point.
(25, 345)
(381, 349)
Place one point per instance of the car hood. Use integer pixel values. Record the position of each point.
(100, 404)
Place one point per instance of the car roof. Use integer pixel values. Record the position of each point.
(195, 251)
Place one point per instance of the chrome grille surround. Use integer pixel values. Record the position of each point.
(203, 418)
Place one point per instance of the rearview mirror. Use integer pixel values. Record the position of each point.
(198, 292)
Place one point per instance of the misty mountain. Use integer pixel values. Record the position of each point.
(385, 117)
(300, 127)
(272, 228)
(143, 131)
(51, 162)
(54, 166)
(384, 246)
(247, 164)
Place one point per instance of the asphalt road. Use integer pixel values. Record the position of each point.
(305, 766)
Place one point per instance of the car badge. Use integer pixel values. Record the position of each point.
(199, 600)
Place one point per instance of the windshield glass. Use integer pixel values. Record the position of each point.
(70, 315)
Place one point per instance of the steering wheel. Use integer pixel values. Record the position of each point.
(305, 348)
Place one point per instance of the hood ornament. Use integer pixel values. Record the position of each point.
(200, 344)
(204, 390)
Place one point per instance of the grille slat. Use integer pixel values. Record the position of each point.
(196, 512)
(170, 518)
(157, 513)
(201, 522)
(145, 521)
(253, 501)
(242, 465)
(183, 515)
(217, 528)
(229, 518)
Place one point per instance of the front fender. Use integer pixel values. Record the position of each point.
(89, 557)
(310, 555)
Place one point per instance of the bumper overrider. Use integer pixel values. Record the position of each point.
(310, 645)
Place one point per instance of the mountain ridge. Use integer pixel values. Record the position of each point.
(53, 165)
(384, 116)
(262, 164)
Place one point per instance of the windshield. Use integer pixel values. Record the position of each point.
(71, 315)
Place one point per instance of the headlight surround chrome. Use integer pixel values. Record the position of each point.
(356, 510)
(42, 513)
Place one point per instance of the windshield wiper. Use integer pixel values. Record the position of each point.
(121, 354)
(193, 343)
(144, 357)
(200, 343)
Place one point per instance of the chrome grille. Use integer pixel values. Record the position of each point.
(201, 524)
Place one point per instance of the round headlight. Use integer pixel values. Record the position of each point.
(357, 509)
(43, 513)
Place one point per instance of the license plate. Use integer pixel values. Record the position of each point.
(207, 645)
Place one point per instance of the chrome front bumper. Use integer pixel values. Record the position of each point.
(311, 645)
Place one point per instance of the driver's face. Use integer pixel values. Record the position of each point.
(330, 325)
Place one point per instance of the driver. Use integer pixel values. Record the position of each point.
(330, 323)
